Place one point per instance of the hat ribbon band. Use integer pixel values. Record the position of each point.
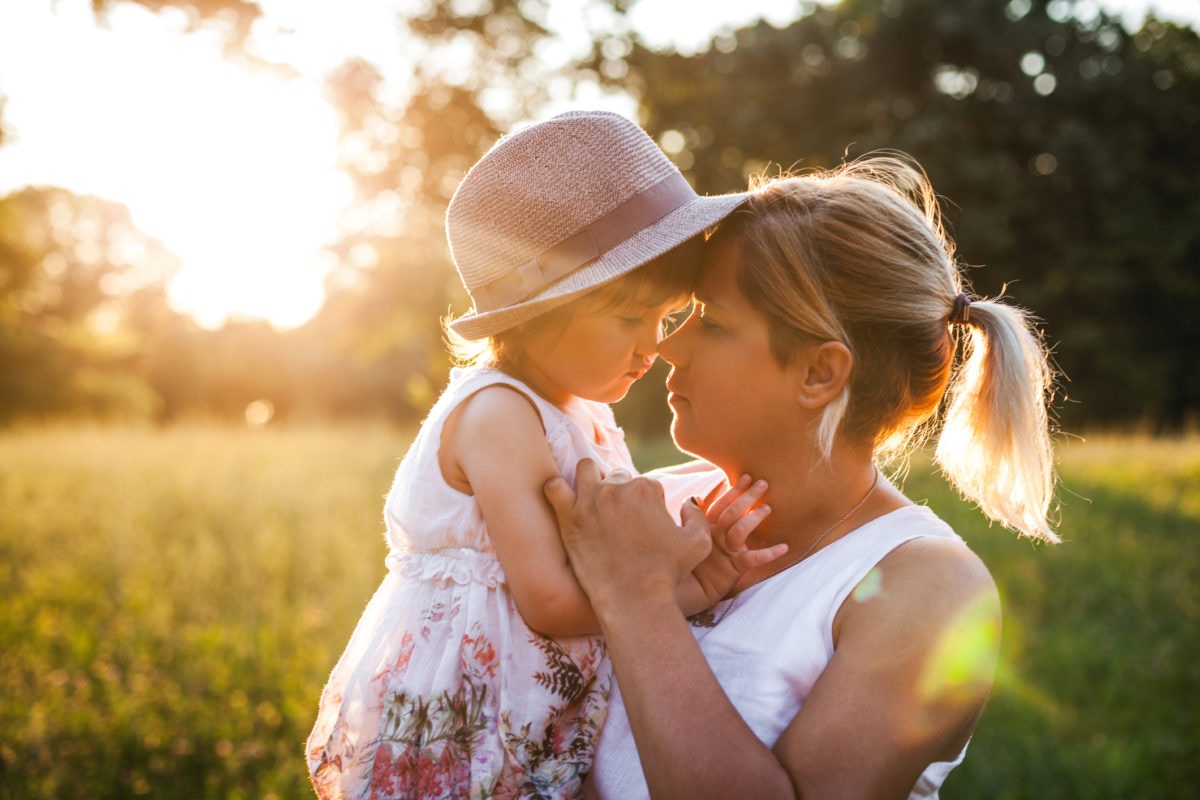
(635, 214)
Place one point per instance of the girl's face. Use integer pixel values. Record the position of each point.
(597, 354)
(730, 397)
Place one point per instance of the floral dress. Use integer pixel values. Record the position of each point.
(443, 691)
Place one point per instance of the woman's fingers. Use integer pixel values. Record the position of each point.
(618, 475)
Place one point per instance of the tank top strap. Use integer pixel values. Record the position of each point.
(867, 545)
(837, 570)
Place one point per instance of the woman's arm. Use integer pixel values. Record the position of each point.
(914, 654)
(910, 674)
(629, 556)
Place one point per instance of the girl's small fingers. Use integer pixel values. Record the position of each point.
(739, 531)
(718, 506)
(749, 559)
(742, 504)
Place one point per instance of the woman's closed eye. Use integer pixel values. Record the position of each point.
(706, 319)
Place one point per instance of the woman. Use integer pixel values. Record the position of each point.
(823, 341)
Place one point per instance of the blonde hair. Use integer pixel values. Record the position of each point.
(670, 275)
(858, 255)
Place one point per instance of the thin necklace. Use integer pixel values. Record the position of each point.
(708, 620)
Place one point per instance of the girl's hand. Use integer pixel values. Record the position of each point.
(732, 517)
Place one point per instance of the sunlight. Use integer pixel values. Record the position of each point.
(965, 658)
(233, 169)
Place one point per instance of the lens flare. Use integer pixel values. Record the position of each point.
(963, 663)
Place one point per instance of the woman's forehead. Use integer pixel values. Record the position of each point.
(718, 284)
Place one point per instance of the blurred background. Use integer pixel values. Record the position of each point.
(224, 208)
(223, 266)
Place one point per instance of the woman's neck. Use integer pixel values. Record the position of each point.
(820, 498)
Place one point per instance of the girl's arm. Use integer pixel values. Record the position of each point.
(494, 447)
(897, 695)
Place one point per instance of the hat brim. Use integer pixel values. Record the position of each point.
(683, 223)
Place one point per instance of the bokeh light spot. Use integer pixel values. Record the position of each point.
(1043, 164)
(259, 413)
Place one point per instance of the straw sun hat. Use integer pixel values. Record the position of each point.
(562, 207)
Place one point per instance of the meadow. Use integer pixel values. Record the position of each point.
(173, 600)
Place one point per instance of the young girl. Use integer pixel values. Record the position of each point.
(472, 672)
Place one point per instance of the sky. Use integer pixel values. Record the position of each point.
(235, 169)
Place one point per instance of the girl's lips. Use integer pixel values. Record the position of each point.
(641, 371)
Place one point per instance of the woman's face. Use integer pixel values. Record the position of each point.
(729, 395)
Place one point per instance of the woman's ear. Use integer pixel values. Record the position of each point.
(823, 371)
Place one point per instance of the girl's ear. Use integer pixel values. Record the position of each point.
(823, 370)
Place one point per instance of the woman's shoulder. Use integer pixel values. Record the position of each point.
(932, 552)
(939, 560)
(929, 568)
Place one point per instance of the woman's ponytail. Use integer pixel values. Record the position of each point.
(994, 445)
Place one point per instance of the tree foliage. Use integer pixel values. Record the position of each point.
(70, 267)
(235, 17)
(1066, 150)
(1063, 145)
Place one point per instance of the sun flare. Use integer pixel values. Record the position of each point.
(232, 167)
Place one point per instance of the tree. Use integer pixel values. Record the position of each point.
(407, 142)
(235, 17)
(66, 263)
(1065, 147)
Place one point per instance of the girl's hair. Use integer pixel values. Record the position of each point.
(858, 255)
(658, 281)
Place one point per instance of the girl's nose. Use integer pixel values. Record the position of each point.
(670, 348)
(647, 342)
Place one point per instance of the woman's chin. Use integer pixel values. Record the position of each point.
(681, 435)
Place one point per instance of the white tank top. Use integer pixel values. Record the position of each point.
(771, 644)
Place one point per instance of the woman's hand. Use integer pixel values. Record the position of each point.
(733, 516)
(620, 539)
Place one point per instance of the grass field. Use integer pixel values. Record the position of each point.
(172, 602)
